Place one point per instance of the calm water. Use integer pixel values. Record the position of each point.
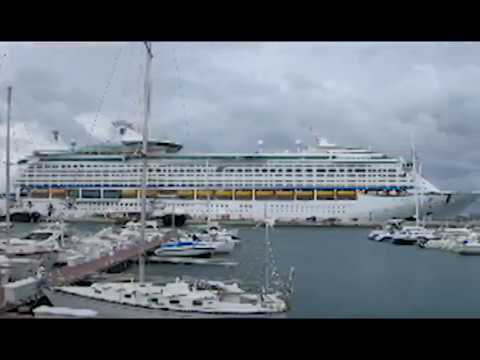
(341, 274)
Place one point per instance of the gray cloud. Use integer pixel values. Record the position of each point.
(225, 96)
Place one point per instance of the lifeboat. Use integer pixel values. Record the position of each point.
(264, 193)
(151, 193)
(344, 194)
(58, 193)
(243, 194)
(305, 195)
(129, 194)
(166, 193)
(282, 194)
(322, 194)
(224, 194)
(203, 194)
(39, 194)
(185, 194)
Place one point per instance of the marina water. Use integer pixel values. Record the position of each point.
(341, 274)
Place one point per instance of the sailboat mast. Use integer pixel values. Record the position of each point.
(267, 239)
(7, 162)
(208, 195)
(148, 89)
(415, 174)
(421, 196)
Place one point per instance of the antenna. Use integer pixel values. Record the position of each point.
(55, 134)
(260, 146)
(298, 143)
(415, 174)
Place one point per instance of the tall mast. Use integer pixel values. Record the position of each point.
(267, 239)
(148, 89)
(208, 194)
(415, 174)
(421, 196)
(7, 162)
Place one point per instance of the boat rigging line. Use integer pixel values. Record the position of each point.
(107, 88)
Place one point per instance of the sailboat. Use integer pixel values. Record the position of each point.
(409, 235)
(201, 298)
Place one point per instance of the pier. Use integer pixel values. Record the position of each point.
(71, 274)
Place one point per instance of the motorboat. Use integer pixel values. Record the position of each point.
(448, 239)
(387, 231)
(174, 299)
(213, 228)
(185, 247)
(39, 241)
(62, 312)
(4, 225)
(410, 235)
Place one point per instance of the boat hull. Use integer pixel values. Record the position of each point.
(185, 253)
(108, 309)
(367, 209)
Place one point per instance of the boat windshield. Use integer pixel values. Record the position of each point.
(38, 236)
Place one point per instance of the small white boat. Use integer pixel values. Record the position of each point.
(39, 241)
(387, 231)
(185, 247)
(63, 312)
(450, 239)
(468, 248)
(4, 225)
(410, 235)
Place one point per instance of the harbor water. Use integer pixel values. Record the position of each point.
(341, 274)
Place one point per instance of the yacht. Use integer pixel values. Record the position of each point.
(410, 235)
(185, 247)
(39, 241)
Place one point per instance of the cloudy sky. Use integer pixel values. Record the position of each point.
(224, 97)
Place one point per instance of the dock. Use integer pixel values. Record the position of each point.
(71, 274)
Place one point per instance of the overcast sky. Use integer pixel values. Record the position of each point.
(224, 97)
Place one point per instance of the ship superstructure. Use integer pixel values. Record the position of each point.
(326, 181)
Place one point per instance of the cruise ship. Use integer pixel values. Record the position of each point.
(350, 185)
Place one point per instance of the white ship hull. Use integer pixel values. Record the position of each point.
(107, 309)
(367, 209)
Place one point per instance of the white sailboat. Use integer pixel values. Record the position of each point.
(175, 299)
(409, 235)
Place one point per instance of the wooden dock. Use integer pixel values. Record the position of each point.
(71, 274)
